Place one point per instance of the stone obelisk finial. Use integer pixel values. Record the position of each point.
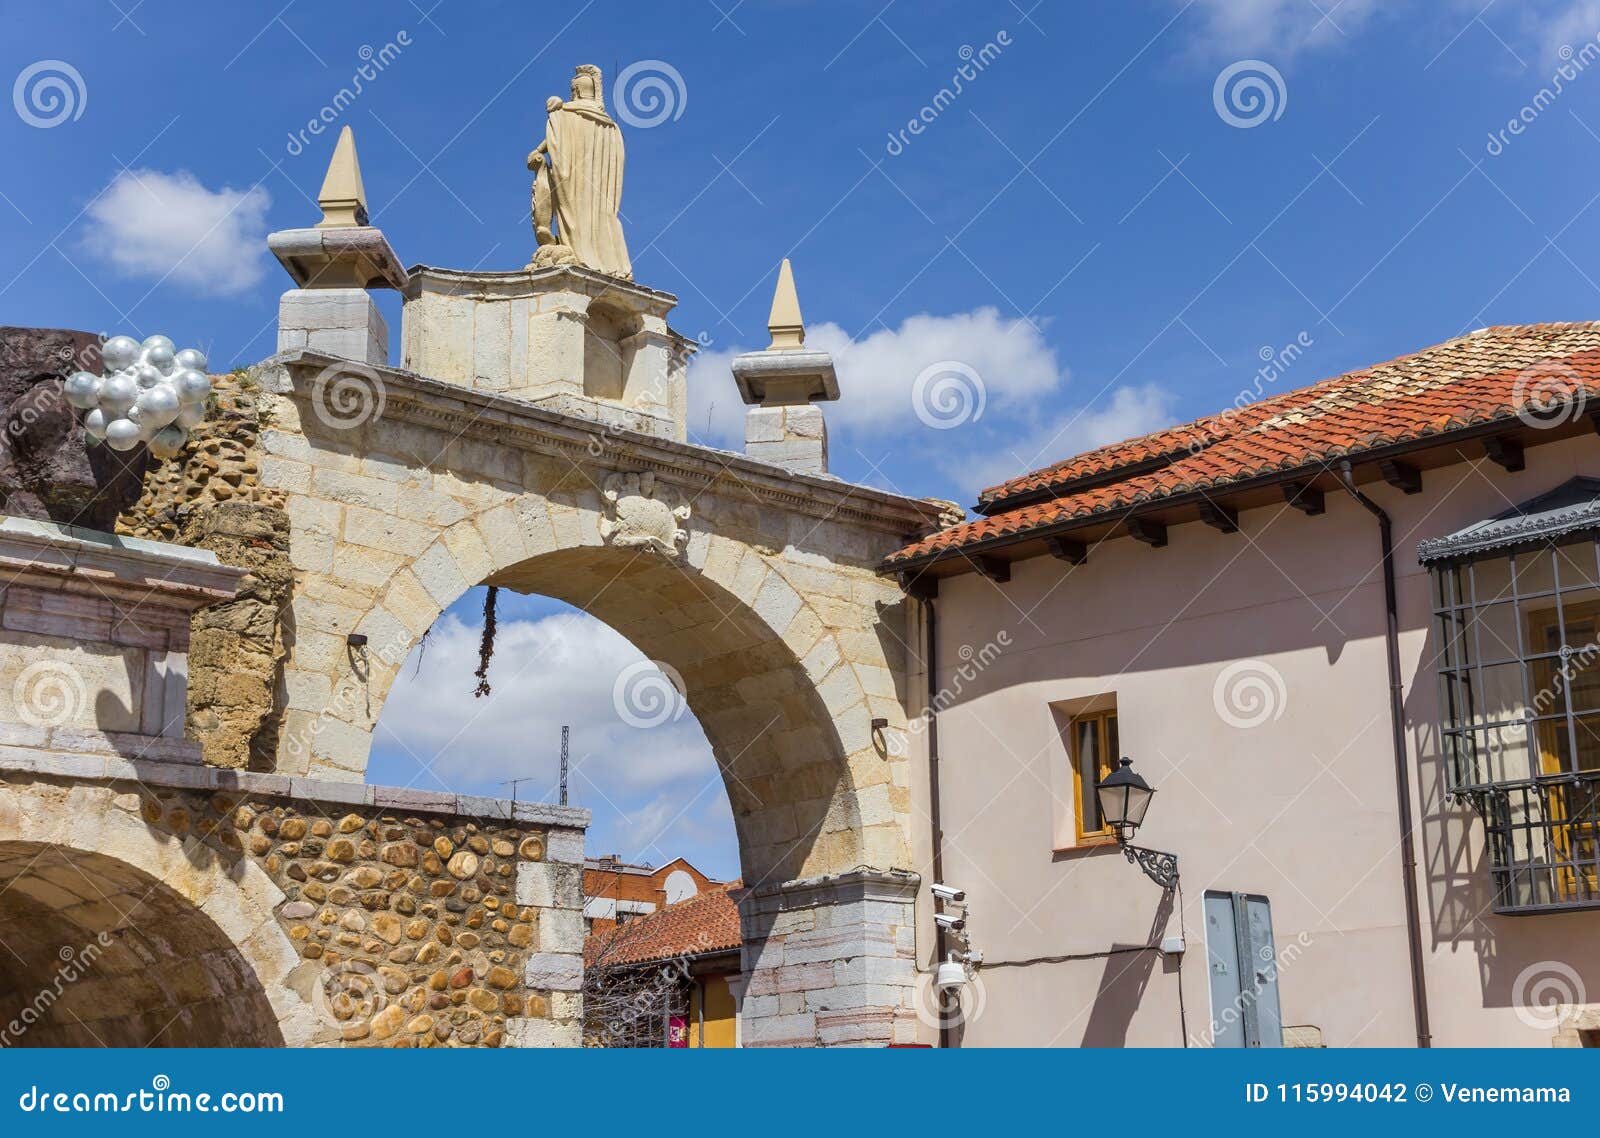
(783, 382)
(334, 263)
(784, 322)
(343, 198)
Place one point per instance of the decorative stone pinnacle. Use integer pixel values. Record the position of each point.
(784, 322)
(343, 198)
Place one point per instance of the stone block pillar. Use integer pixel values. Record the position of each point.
(554, 970)
(795, 438)
(334, 263)
(830, 961)
(340, 322)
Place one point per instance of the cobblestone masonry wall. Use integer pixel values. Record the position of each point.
(365, 925)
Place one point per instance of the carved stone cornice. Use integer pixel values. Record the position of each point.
(480, 416)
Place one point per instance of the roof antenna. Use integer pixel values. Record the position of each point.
(564, 731)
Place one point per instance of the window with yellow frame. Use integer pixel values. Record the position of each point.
(1093, 742)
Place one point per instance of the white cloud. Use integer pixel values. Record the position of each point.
(877, 374)
(1232, 28)
(1012, 380)
(1565, 24)
(558, 670)
(1128, 412)
(153, 224)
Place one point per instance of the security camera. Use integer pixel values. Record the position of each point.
(951, 921)
(949, 893)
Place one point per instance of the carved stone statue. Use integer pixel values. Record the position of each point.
(577, 182)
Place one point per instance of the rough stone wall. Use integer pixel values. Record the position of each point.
(410, 929)
(219, 463)
(210, 497)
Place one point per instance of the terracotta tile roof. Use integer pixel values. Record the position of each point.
(706, 922)
(1488, 375)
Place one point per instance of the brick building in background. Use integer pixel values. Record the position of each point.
(616, 892)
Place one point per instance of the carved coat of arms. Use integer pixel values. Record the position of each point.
(639, 511)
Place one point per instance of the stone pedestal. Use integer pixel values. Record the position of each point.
(830, 961)
(554, 886)
(94, 639)
(566, 338)
(795, 438)
(342, 322)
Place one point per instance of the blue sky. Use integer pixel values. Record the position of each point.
(1081, 241)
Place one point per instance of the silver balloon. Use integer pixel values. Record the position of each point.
(168, 442)
(159, 344)
(117, 393)
(83, 390)
(158, 405)
(118, 352)
(148, 374)
(193, 386)
(191, 359)
(122, 434)
(191, 415)
(94, 424)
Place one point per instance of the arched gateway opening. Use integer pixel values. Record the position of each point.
(778, 747)
(98, 953)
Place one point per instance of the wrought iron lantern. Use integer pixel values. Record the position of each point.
(1124, 798)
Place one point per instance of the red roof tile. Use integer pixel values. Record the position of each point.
(1488, 375)
(706, 922)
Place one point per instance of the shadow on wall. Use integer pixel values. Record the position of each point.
(1529, 962)
(1123, 982)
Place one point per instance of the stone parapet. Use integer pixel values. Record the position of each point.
(94, 637)
(579, 342)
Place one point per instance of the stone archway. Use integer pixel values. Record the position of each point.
(784, 712)
(758, 586)
(122, 934)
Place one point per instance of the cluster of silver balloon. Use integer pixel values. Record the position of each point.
(150, 393)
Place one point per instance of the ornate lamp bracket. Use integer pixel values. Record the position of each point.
(1162, 868)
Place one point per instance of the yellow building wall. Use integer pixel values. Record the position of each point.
(721, 1017)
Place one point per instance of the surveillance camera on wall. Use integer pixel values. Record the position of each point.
(949, 893)
(950, 921)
